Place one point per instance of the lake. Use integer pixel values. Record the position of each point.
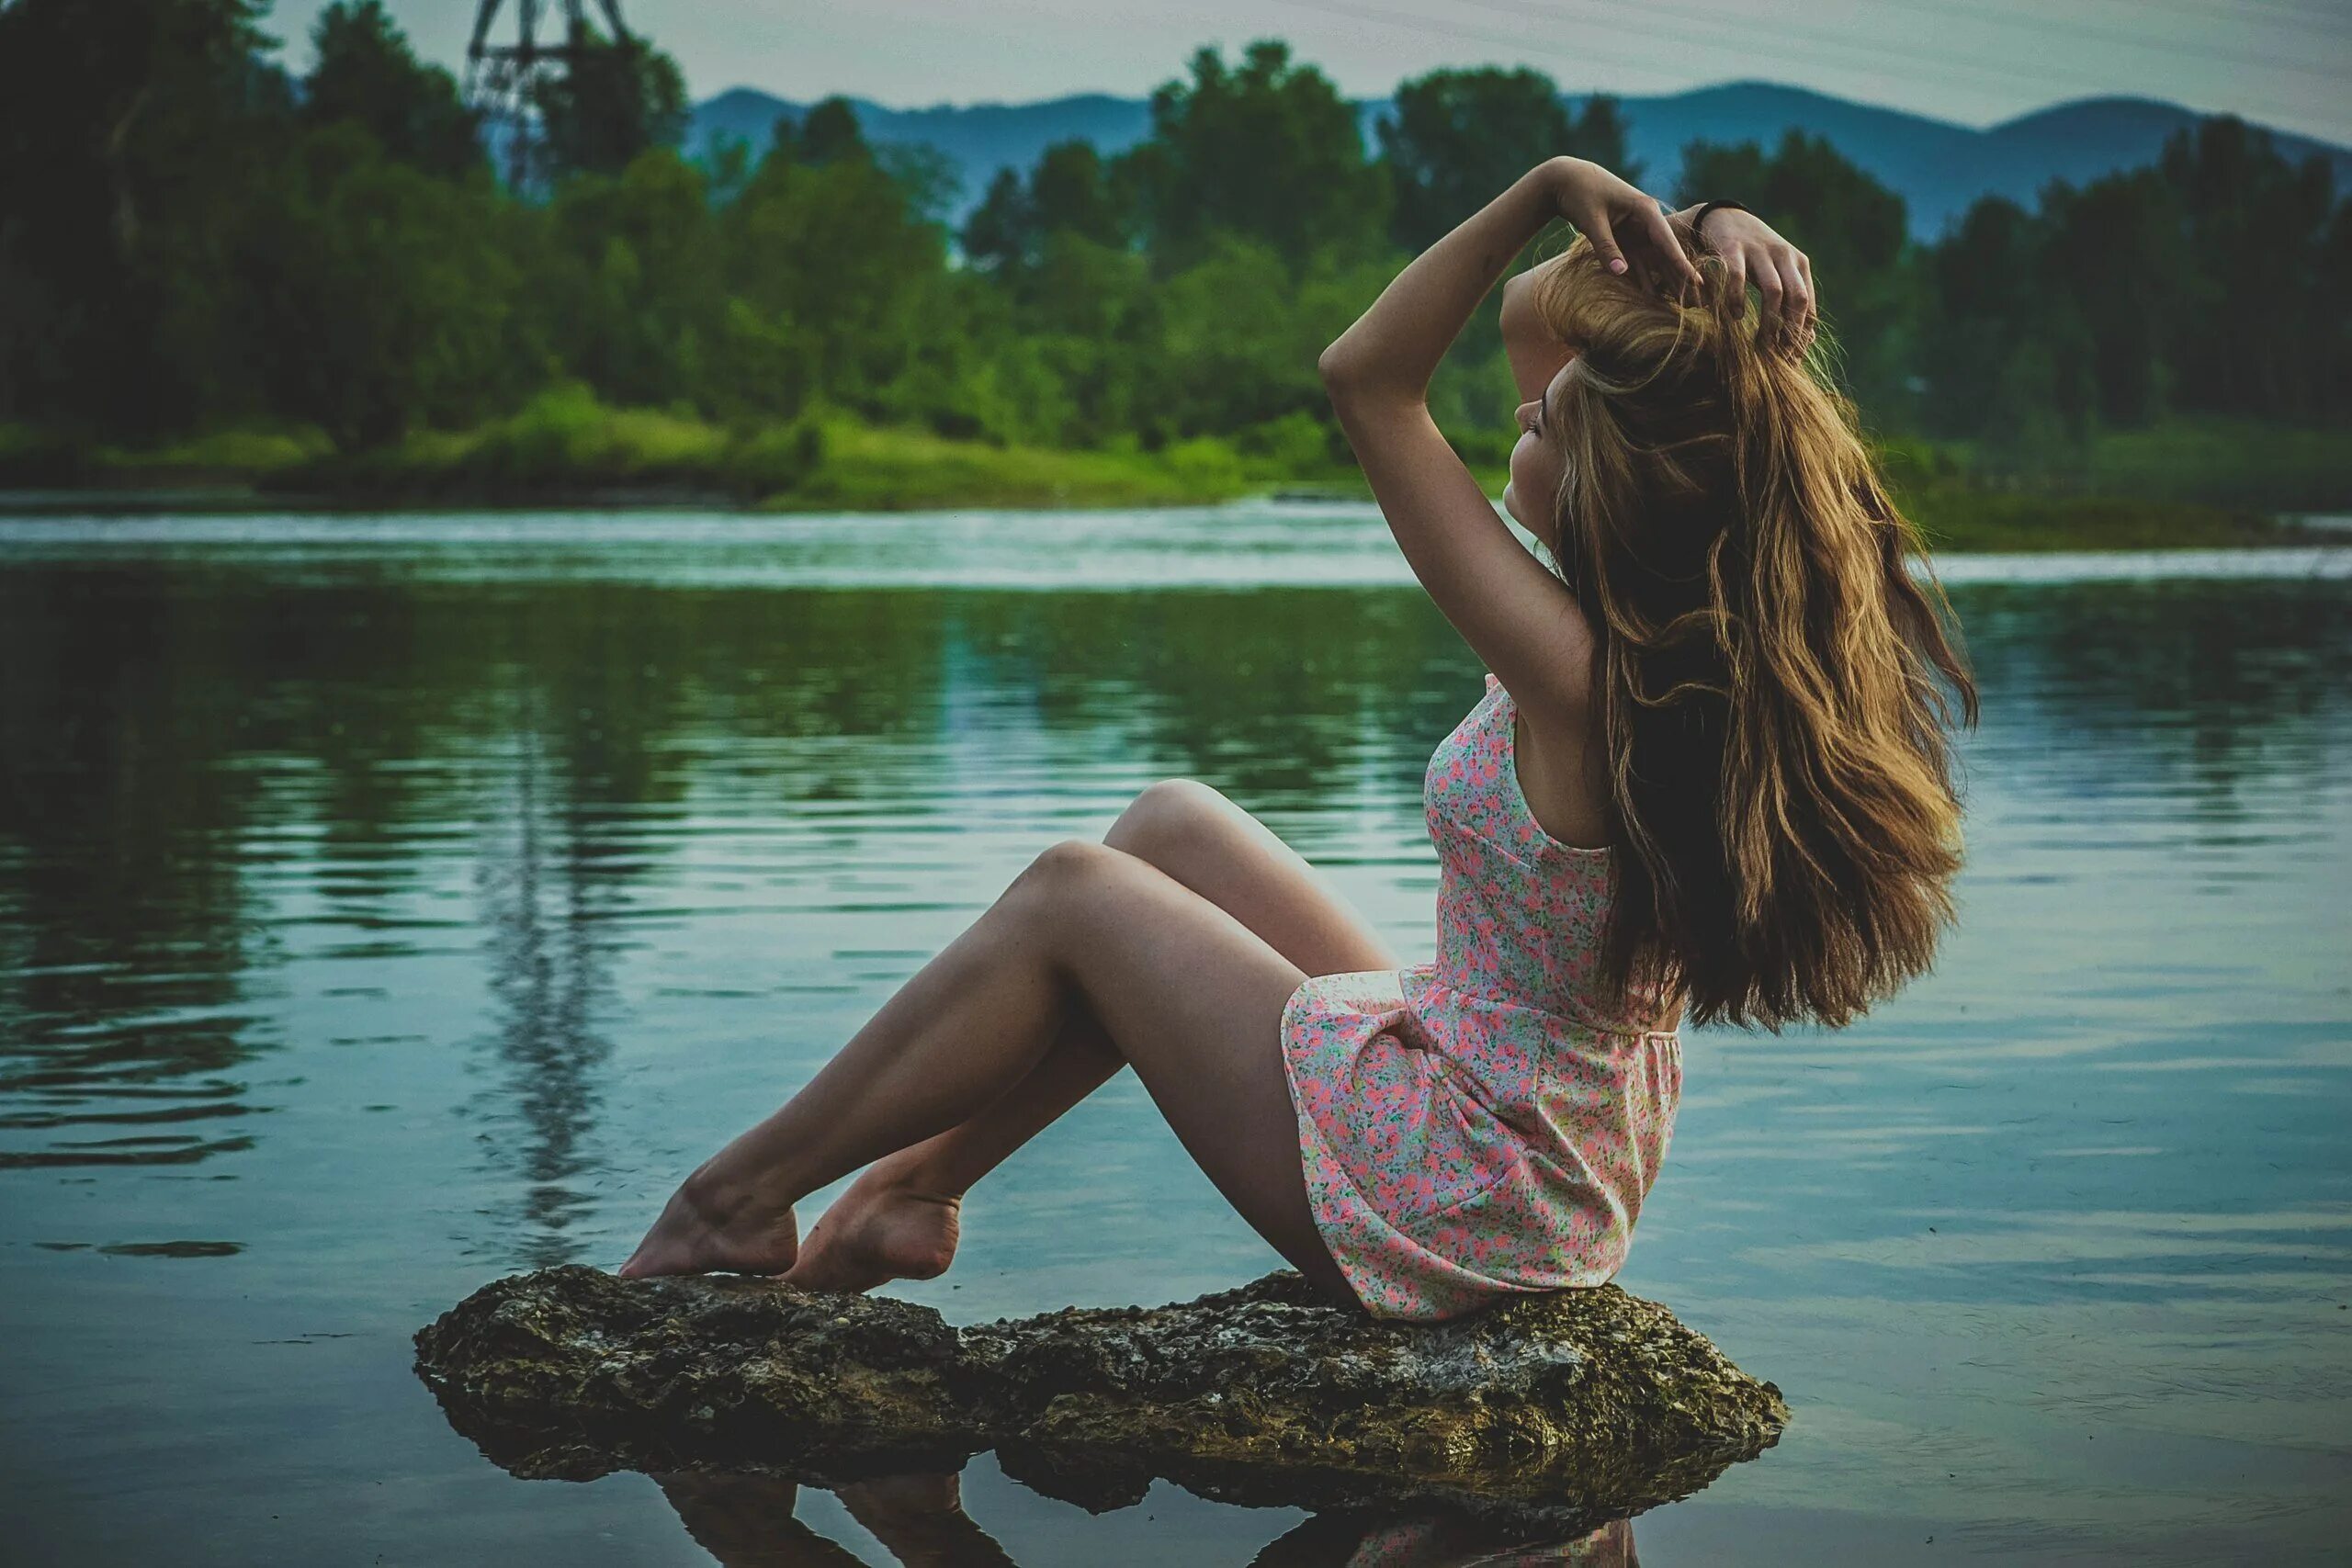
(389, 904)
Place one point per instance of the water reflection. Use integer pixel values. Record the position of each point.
(548, 889)
(191, 751)
(746, 1519)
(384, 906)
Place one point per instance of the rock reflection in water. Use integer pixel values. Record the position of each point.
(748, 1519)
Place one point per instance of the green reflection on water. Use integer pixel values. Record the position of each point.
(369, 925)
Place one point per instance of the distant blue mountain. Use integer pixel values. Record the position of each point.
(1938, 167)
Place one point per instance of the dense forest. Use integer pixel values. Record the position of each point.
(194, 240)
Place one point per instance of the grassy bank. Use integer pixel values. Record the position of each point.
(564, 448)
(2198, 486)
(2220, 462)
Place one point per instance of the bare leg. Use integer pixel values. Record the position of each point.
(919, 1519)
(745, 1520)
(901, 1218)
(1187, 995)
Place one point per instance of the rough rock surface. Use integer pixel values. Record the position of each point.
(1581, 1405)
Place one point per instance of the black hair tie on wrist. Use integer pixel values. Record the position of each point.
(1701, 216)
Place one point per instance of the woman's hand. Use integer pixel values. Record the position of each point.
(1625, 226)
(1752, 253)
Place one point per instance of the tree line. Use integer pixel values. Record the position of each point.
(192, 238)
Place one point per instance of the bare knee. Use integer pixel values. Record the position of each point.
(1051, 880)
(1168, 819)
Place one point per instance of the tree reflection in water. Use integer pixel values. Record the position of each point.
(548, 888)
(745, 1519)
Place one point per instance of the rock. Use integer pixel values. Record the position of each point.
(1570, 1408)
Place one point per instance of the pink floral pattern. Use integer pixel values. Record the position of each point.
(1478, 1125)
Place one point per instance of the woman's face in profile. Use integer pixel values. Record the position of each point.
(1536, 463)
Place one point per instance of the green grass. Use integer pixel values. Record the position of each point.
(566, 444)
(562, 440)
(2180, 485)
(232, 451)
(1957, 518)
(868, 466)
(2235, 463)
(32, 455)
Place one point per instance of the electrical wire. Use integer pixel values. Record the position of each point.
(1939, 68)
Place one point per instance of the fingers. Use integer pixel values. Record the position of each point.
(1736, 268)
(1682, 278)
(1604, 242)
(1768, 283)
(1796, 303)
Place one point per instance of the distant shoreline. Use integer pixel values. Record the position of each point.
(2187, 485)
(2001, 526)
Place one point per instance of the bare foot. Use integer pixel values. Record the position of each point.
(705, 1229)
(879, 1230)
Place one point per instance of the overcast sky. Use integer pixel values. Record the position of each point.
(2284, 63)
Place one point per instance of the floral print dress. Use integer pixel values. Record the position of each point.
(1479, 1126)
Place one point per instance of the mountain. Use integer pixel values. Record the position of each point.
(980, 138)
(1939, 167)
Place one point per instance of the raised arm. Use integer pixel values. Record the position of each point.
(1535, 355)
(1752, 253)
(1521, 620)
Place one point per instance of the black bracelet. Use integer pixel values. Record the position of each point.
(1702, 215)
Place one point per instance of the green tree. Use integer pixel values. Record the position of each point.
(1457, 137)
(1000, 234)
(1850, 227)
(828, 132)
(2332, 332)
(619, 97)
(381, 297)
(130, 138)
(1069, 192)
(1270, 150)
(2003, 354)
(1236, 336)
(2252, 341)
(839, 255)
(637, 287)
(2116, 253)
(367, 74)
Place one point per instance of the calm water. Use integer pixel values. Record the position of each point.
(387, 906)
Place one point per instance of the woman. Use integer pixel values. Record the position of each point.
(1707, 778)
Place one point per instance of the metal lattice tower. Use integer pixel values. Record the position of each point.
(500, 77)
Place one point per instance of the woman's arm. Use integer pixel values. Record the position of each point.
(1751, 253)
(1398, 342)
(1519, 618)
(1536, 353)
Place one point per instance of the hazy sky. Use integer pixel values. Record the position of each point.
(2284, 63)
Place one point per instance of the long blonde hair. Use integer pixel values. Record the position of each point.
(1764, 663)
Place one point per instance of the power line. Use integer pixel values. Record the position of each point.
(1415, 23)
(2285, 10)
(1941, 69)
(2115, 38)
(1941, 60)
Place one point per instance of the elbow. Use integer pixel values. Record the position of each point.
(1349, 376)
(1336, 366)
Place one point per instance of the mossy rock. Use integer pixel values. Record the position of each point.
(1564, 1409)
